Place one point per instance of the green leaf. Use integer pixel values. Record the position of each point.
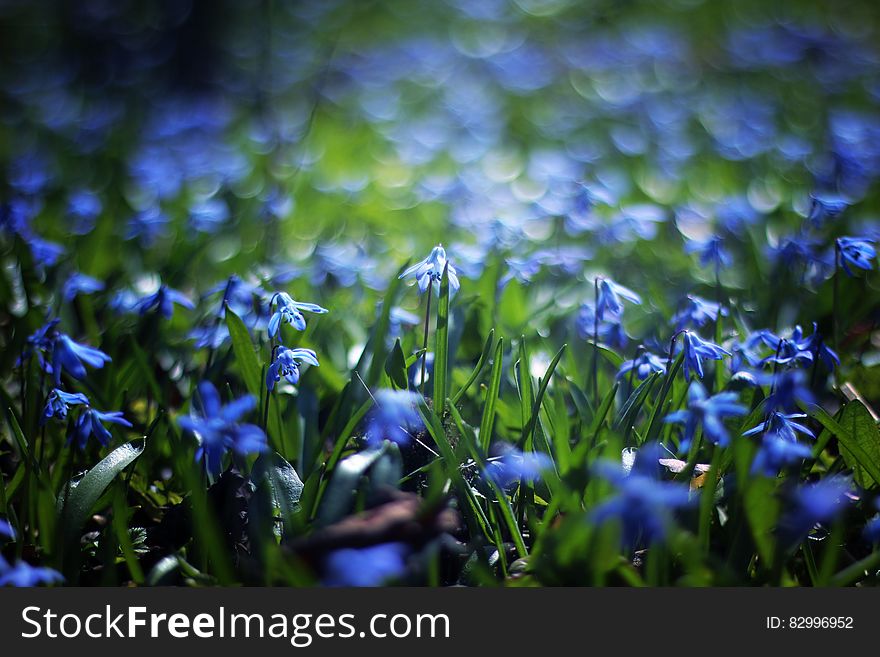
(441, 346)
(75, 503)
(492, 397)
(395, 367)
(337, 499)
(245, 355)
(376, 342)
(859, 440)
(631, 407)
(484, 358)
(542, 389)
(284, 483)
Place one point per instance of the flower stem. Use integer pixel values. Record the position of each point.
(425, 341)
(596, 342)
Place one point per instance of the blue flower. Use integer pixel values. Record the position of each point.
(70, 355)
(289, 311)
(611, 331)
(217, 428)
(513, 465)
(147, 225)
(609, 298)
(644, 364)
(856, 251)
(816, 346)
(80, 284)
(812, 504)
(44, 252)
(83, 209)
(643, 504)
(711, 252)
(697, 313)
(778, 452)
(431, 270)
(394, 417)
(286, 364)
(163, 300)
(782, 424)
(793, 349)
(59, 402)
(90, 423)
(787, 390)
(695, 350)
(6, 530)
(825, 205)
(23, 574)
(708, 411)
(368, 566)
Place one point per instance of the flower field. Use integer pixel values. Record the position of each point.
(435, 293)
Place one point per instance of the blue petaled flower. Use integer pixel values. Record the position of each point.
(430, 271)
(816, 346)
(80, 284)
(644, 365)
(44, 252)
(6, 530)
(217, 428)
(368, 566)
(22, 574)
(787, 390)
(778, 452)
(513, 465)
(858, 252)
(91, 423)
(711, 252)
(83, 209)
(394, 416)
(163, 300)
(59, 402)
(782, 424)
(708, 411)
(697, 313)
(644, 504)
(611, 330)
(695, 350)
(286, 364)
(69, 355)
(289, 311)
(610, 295)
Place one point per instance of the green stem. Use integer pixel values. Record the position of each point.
(425, 341)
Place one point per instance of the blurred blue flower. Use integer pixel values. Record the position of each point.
(644, 504)
(825, 205)
(23, 574)
(815, 503)
(78, 283)
(711, 251)
(44, 252)
(83, 209)
(817, 346)
(217, 428)
(394, 417)
(163, 300)
(512, 465)
(788, 389)
(609, 298)
(611, 330)
(778, 452)
(431, 269)
(286, 364)
(644, 365)
(399, 318)
(90, 423)
(207, 216)
(6, 530)
(695, 350)
(856, 251)
(289, 311)
(368, 566)
(69, 355)
(697, 313)
(872, 527)
(708, 411)
(58, 403)
(147, 225)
